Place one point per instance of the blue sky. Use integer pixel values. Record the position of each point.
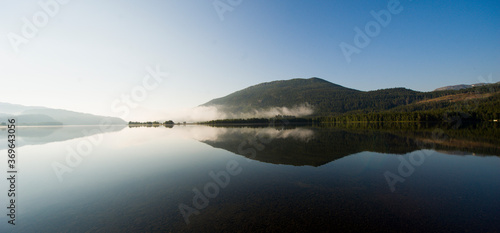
(89, 53)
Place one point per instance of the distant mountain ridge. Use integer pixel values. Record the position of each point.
(324, 98)
(34, 115)
(460, 87)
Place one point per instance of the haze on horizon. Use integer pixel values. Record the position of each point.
(86, 55)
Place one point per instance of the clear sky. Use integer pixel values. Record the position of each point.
(83, 55)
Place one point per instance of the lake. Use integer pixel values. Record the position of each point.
(281, 178)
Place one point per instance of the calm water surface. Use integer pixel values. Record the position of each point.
(252, 179)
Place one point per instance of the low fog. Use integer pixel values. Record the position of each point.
(207, 113)
(215, 134)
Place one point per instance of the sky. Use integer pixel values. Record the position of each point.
(158, 59)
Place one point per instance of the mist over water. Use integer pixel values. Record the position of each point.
(216, 112)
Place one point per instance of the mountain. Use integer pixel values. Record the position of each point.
(284, 93)
(459, 87)
(29, 115)
(322, 98)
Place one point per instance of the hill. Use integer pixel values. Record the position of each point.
(29, 115)
(324, 98)
(289, 94)
(321, 96)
